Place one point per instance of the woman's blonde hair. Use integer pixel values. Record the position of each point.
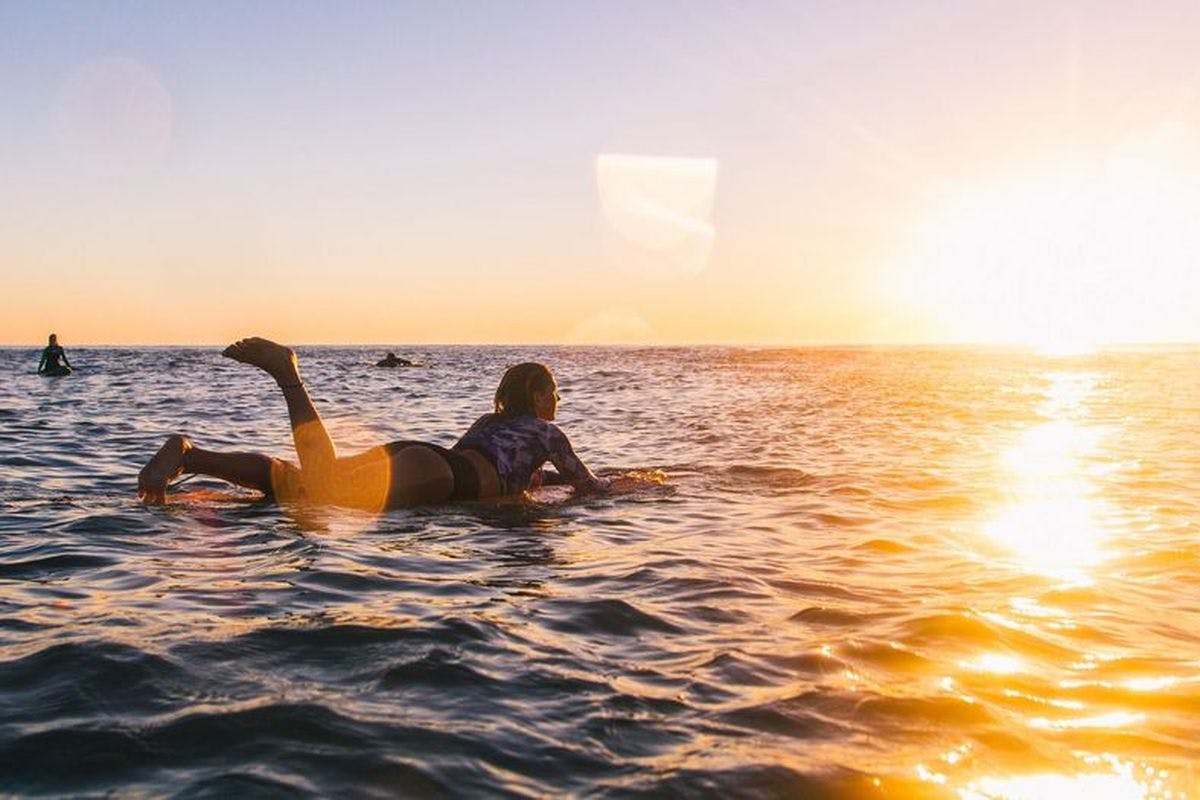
(514, 395)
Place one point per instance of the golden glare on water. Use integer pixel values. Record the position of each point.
(1116, 719)
(1052, 521)
(1093, 777)
(1112, 786)
(996, 664)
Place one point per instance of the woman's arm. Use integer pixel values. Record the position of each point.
(569, 465)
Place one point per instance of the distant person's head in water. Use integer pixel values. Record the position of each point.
(391, 360)
(527, 388)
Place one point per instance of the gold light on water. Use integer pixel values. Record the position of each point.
(1094, 777)
(1055, 536)
(1114, 786)
(1115, 719)
(1052, 523)
(995, 664)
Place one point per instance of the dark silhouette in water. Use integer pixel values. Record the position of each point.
(393, 361)
(50, 357)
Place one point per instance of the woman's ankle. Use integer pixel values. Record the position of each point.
(289, 379)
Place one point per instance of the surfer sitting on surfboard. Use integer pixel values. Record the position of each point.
(500, 454)
(50, 357)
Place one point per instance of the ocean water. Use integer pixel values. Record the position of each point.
(900, 573)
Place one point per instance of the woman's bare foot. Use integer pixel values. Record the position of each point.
(161, 468)
(276, 360)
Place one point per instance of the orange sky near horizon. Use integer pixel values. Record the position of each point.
(921, 174)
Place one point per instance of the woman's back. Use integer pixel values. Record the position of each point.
(518, 445)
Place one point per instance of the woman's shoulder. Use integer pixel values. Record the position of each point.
(521, 422)
(529, 424)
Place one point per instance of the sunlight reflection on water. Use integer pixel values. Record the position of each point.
(1052, 523)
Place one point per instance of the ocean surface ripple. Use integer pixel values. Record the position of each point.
(907, 573)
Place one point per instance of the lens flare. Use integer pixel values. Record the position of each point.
(659, 212)
(114, 114)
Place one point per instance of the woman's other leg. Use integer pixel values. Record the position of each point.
(178, 455)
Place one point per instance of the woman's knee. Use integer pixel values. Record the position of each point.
(287, 481)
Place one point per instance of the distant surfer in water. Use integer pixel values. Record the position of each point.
(393, 361)
(51, 355)
(501, 454)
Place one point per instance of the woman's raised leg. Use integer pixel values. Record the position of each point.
(313, 445)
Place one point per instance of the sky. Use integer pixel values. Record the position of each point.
(662, 173)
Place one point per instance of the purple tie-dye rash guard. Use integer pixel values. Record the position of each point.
(518, 447)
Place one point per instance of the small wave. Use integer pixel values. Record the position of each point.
(317, 644)
(970, 630)
(84, 678)
(832, 617)
(438, 669)
(799, 717)
(244, 784)
(612, 617)
(73, 758)
(51, 565)
(883, 713)
(842, 520)
(755, 475)
(350, 583)
(886, 546)
(108, 524)
(808, 588)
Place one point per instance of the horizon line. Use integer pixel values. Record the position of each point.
(796, 344)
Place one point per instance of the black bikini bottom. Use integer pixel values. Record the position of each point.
(466, 479)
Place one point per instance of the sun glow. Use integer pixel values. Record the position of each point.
(1067, 258)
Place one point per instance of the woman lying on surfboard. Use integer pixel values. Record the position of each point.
(500, 454)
